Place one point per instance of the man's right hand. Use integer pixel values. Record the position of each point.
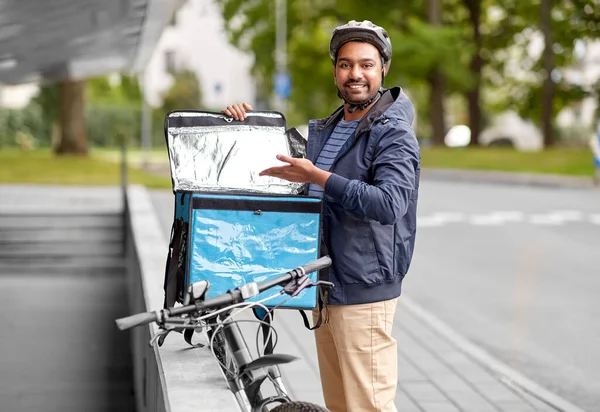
(237, 111)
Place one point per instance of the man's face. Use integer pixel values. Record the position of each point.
(358, 72)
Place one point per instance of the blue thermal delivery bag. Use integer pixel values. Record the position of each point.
(232, 226)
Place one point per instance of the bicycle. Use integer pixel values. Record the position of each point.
(244, 375)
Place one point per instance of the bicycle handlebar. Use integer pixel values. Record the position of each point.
(232, 296)
(315, 265)
(137, 320)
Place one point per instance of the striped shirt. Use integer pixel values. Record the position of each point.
(343, 130)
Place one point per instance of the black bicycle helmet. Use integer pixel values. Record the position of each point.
(362, 31)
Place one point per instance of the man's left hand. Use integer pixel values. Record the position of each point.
(297, 170)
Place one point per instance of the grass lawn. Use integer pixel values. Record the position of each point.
(40, 166)
(566, 161)
(135, 157)
(103, 167)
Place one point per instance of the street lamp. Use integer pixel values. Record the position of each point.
(281, 81)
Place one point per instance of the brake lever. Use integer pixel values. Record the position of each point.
(325, 284)
(178, 325)
(300, 283)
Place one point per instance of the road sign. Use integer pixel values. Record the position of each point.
(282, 85)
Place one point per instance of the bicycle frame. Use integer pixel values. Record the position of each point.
(251, 373)
(247, 379)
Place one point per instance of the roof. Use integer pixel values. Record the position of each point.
(57, 39)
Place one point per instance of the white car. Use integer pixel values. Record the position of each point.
(507, 130)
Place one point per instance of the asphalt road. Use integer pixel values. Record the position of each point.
(515, 270)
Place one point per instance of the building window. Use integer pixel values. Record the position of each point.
(170, 61)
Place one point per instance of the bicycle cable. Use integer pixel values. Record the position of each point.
(221, 324)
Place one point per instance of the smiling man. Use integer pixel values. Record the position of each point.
(364, 161)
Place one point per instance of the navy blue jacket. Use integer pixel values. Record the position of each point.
(370, 201)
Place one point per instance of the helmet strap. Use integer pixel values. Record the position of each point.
(362, 106)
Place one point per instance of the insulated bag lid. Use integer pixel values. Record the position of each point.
(213, 152)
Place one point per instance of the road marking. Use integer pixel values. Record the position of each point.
(429, 221)
(549, 219)
(486, 220)
(451, 216)
(440, 219)
(498, 218)
(510, 215)
(570, 215)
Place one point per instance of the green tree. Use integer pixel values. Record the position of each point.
(531, 81)
(437, 81)
(122, 89)
(46, 100)
(470, 15)
(418, 47)
(185, 93)
(114, 111)
(111, 108)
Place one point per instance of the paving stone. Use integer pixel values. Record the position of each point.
(415, 352)
(463, 394)
(423, 392)
(407, 372)
(537, 404)
(515, 407)
(405, 404)
(497, 392)
(438, 407)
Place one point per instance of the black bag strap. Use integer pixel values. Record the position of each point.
(322, 306)
(321, 298)
(173, 265)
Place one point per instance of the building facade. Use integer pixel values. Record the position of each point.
(196, 40)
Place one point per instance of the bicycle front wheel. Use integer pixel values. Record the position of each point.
(299, 407)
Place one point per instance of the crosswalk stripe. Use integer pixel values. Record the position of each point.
(498, 218)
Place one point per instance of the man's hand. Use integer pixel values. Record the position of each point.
(298, 170)
(237, 111)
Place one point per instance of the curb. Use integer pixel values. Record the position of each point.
(511, 178)
(474, 176)
(504, 372)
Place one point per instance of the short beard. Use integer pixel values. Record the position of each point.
(356, 103)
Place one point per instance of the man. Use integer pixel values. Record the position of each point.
(364, 162)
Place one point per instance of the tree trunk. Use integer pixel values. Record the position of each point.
(436, 83)
(548, 62)
(473, 95)
(437, 115)
(73, 138)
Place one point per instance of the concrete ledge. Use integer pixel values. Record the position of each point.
(523, 179)
(174, 377)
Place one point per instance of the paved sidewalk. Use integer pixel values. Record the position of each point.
(439, 371)
(436, 375)
(509, 178)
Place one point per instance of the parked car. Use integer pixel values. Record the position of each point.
(507, 130)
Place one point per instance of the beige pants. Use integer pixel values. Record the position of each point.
(358, 358)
